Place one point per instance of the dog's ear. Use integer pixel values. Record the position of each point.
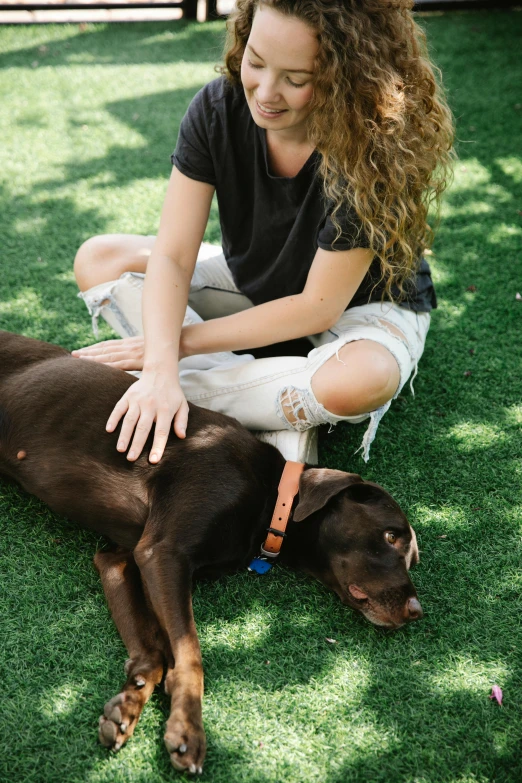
(317, 486)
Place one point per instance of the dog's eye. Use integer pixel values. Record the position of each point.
(390, 537)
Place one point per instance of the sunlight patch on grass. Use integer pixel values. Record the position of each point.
(513, 415)
(438, 273)
(185, 34)
(60, 702)
(284, 725)
(502, 231)
(27, 303)
(472, 435)
(469, 174)
(29, 225)
(445, 518)
(448, 313)
(471, 208)
(491, 197)
(511, 166)
(247, 631)
(466, 674)
(146, 196)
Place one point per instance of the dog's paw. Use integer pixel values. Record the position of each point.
(186, 744)
(119, 719)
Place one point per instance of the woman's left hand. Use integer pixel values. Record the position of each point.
(125, 354)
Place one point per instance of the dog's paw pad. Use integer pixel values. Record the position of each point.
(118, 721)
(108, 731)
(112, 709)
(186, 749)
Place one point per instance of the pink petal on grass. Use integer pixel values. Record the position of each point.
(496, 694)
(518, 297)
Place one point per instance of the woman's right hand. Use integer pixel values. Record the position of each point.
(125, 354)
(155, 398)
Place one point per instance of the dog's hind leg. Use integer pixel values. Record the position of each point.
(143, 639)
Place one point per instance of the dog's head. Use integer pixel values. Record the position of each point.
(366, 545)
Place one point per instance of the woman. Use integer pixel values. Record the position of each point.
(326, 138)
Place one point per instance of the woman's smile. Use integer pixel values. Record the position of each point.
(264, 111)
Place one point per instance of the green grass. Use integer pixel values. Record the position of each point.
(88, 120)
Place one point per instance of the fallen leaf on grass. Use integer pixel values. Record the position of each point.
(444, 536)
(496, 694)
(472, 352)
(331, 641)
(476, 508)
(467, 373)
(471, 288)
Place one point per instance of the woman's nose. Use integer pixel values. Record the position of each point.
(267, 91)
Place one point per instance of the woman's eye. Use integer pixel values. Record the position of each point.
(294, 84)
(390, 537)
(253, 65)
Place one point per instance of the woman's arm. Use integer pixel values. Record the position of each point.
(333, 279)
(157, 396)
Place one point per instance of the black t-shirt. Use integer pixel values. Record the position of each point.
(271, 226)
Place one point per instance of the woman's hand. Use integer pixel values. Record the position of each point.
(126, 354)
(155, 397)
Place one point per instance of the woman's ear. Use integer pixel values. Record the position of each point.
(317, 486)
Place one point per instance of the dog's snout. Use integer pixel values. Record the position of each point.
(413, 609)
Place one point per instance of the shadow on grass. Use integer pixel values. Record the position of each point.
(122, 44)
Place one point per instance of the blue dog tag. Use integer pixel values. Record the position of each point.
(259, 566)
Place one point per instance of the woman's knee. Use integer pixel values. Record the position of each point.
(364, 377)
(107, 256)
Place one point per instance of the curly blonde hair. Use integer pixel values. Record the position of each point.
(379, 120)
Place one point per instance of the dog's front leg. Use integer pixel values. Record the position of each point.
(168, 579)
(143, 639)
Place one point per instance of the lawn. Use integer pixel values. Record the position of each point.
(88, 120)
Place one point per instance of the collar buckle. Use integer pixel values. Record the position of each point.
(287, 490)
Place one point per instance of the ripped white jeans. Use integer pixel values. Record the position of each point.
(259, 392)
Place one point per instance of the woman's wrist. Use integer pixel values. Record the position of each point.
(165, 365)
(186, 347)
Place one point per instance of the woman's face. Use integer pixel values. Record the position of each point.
(277, 70)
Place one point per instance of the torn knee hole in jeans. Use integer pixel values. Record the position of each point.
(390, 328)
(299, 409)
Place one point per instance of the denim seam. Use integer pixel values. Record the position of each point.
(246, 385)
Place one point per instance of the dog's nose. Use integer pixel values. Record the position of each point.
(413, 609)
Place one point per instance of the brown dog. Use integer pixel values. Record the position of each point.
(203, 510)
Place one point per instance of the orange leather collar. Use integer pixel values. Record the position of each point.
(287, 490)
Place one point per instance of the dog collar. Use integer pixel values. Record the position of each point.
(286, 492)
